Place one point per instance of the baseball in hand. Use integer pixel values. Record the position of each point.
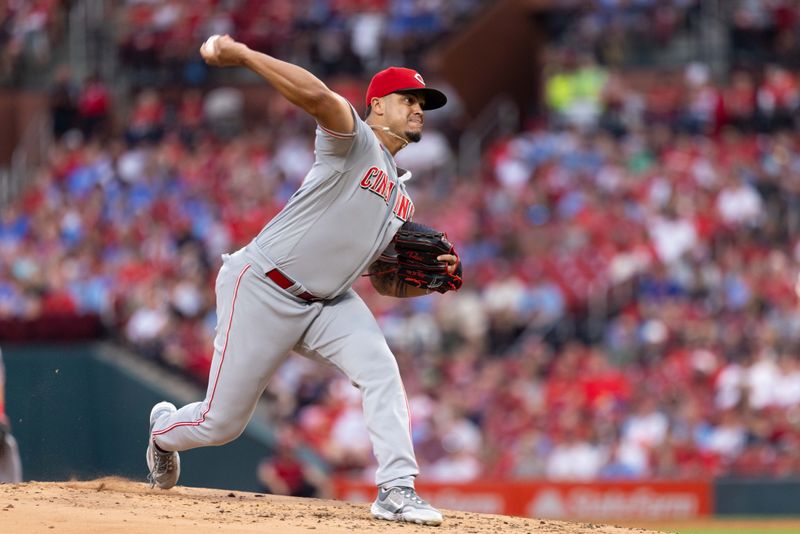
(209, 47)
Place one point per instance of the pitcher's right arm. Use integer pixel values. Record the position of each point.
(296, 84)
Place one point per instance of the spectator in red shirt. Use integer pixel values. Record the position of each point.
(94, 107)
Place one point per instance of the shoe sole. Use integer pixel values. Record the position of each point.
(381, 513)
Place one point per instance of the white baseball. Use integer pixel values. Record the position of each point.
(209, 45)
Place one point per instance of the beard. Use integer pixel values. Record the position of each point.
(413, 137)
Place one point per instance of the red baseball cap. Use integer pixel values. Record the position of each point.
(402, 80)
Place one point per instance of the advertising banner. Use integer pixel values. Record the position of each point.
(559, 500)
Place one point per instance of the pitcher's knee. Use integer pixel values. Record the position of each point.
(369, 363)
(376, 372)
(220, 432)
(384, 377)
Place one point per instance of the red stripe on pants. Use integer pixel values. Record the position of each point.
(219, 370)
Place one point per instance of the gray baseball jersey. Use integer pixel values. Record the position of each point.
(344, 215)
(349, 207)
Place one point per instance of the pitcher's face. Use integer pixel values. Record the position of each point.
(403, 114)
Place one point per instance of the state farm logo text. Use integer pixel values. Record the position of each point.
(587, 503)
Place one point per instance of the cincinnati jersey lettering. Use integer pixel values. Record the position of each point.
(378, 182)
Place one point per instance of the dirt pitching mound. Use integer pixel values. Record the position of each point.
(122, 506)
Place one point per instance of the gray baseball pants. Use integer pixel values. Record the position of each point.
(258, 325)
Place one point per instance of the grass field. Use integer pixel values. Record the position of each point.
(732, 525)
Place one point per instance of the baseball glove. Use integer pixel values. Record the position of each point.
(418, 247)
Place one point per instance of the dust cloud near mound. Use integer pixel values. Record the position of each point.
(123, 506)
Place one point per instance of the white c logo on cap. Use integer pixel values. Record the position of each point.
(418, 77)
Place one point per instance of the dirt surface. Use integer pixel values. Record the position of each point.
(762, 525)
(121, 506)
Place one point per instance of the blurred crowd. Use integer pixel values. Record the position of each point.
(628, 311)
(765, 30)
(28, 29)
(333, 37)
(646, 33)
(620, 32)
(156, 41)
(582, 93)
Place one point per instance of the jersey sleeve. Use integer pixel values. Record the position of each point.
(332, 148)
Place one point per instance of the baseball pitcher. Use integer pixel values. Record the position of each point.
(10, 464)
(290, 289)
